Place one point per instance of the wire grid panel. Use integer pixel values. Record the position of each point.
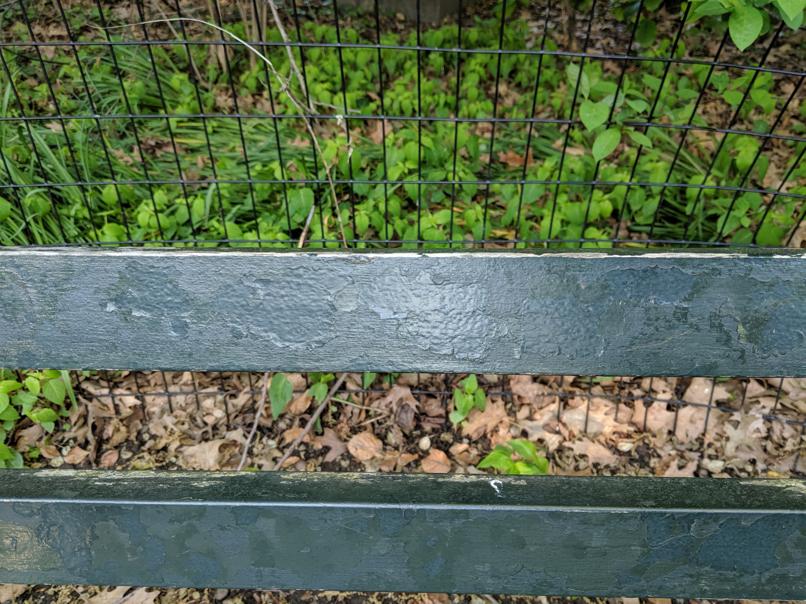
(755, 425)
(185, 124)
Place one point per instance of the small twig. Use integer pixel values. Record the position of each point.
(352, 404)
(260, 406)
(304, 233)
(372, 420)
(311, 422)
(279, 23)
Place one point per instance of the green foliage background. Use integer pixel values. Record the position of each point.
(608, 108)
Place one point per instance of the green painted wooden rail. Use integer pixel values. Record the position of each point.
(575, 313)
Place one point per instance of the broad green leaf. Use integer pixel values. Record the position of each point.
(593, 114)
(66, 377)
(640, 138)
(480, 399)
(25, 400)
(456, 417)
(645, 33)
(499, 458)
(5, 209)
(10, 414)
(770, 235)
(43, 415)
(791, 8)
(745, 25)
(795, 23)
(318, 391)
(462, 402)
(470, 383)
(7, 386)
(638, 105)
(606, 143)
(711, 8)
(525, 448)
(54, 391)
(280, 393)
(732, 97)
(33, 385)
(6, 453)
(361, 222)
(572, 72)
(523, 468)
(4, 401)
(542, 465)
(110, 195)
(368, 378)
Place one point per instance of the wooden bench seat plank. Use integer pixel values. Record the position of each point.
(692, 538)
(591, 313)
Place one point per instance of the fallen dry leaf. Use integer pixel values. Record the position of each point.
(699, 391)
(686, 470)
(595, 452)
(691, 422)
(300, 404)
(436, 463)
(405, 417)
(657, 417)
(365, 446)
(480, 423)
(396, 461)
(76, 455)
(206, 455)
(597, 418)
(28, 437)
(109, 458)
(113, 596)
(527, 391)
(10, 591)
(513, 159)
(141, 596)
(330, 439)
(49, 452)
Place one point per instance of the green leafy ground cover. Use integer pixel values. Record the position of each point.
(608, 107)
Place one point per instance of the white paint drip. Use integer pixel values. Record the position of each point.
(497, 485)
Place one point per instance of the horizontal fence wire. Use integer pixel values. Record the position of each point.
(328, 125)
(693, 411)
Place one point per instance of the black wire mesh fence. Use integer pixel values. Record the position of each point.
(507, 124)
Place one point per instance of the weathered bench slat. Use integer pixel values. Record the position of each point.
(572, 313)
(694, 538)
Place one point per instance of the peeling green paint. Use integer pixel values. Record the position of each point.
(693, 538)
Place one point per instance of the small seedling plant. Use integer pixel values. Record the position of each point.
(468, 395)
(518, 456)
(39, 396)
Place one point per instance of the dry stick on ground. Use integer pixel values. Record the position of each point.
(293, 446)
(260, 406)
(284, 88)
